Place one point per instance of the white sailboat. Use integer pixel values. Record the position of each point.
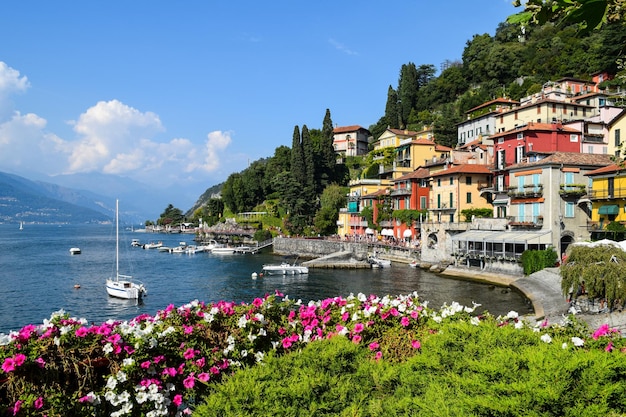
(21, 225)
(123, 286)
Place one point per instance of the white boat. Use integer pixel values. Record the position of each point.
(379, 263)
(153, 245)
(21, 225)
(285, 269)
(223, 250)
(74, 251)
(413, 264)
(135, 243)
(123, 286)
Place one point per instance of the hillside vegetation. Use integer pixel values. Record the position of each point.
(513, 63)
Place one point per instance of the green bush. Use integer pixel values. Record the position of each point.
(536, 260)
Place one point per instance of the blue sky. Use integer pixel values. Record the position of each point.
(179, 95)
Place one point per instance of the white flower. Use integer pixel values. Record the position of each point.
(128, 362)
(244, 353)
(362, 297)
(577, 341)
(546, 338)
(111, 382)
(65, 329)
(262, 332)
(121, 376)
(519, 324)
(356, 317)
(5, 339)
(108, 348)
(242, 322)
(141, 397)
(475, 321)
(260, 318)
(512, 315)
(564, 345)
(259, 356)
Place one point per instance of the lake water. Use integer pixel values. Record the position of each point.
(38, 275)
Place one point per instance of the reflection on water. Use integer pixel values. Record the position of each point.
(38, 275)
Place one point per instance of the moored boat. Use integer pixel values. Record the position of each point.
(285, 269)
(123, 286)
(74, 251)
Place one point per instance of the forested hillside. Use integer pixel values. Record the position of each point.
(513, 63)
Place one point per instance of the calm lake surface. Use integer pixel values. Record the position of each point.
(38, 275)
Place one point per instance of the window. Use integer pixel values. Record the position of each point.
(569, 209)
(468, 180)
(553, 108)
(519, 153)
(573, 137)
(468, 198)
(451, 180)
(438, 200)
(538, 109)
(569, 178)
(618, 141)
(451, 200)
(438, 182)
(422, 203)
(520, 136)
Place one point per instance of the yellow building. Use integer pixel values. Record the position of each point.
(455, 189)
(607, 196)
(350, 221)
(617, 145)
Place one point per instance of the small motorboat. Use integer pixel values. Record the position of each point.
(413, 264)
(135, 243)
(285, 269)
(378, 262)
(74, 251)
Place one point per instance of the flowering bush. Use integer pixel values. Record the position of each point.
(165, 364)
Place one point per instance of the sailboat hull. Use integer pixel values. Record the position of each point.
(125, 289)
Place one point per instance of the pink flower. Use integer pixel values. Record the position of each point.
(40, 362)
(177, 400)
(169, 371)
(257, 302)
(189, 382)
(145, 365)
(404, 321)
(358, 328)
(81, 332)
(8, 365)
(356, 339)
(16, 407)
(415, 314)
(373, 346)
(602, 331)
(189, 354)
(38, 403)
(378, 355)
(394, 312)
(20, 358)
(200, 362)
(345, 316)
(204, 377)
(609, 347)
(158, 359)
(416, 344)
(187, 329)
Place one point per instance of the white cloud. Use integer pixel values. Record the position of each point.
(209, 160)
(341, 47)
(10, 80)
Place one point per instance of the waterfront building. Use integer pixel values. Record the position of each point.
(481, 120)
(607, 199)
(411, 192)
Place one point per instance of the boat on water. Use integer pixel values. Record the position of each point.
(74, 251)
(123, 286)
(378, 262)
(223, 250)
(21, 225)
(285, 268)
(135, 243)
(153, 245)
(413, 264)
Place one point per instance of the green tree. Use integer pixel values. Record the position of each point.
(331, 201)
(408, 87)
(171, 216)
(309, 165)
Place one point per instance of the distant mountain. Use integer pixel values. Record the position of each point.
(208, 194)
(38, 202)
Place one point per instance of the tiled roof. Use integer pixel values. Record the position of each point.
(418, 173)
(344, 129)
(401, 132)
(375, 194)
(534, 126)
(609, 169)
(422, 141)
(442, 148)
(568, 158)
(489, 103)
(463, 169)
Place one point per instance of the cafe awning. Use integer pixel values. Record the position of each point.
(408, 233)
(387, 232)
(502, 236)
(609, 209)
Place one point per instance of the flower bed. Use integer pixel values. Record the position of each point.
(165, 364)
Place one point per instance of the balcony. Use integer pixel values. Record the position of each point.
(572, 190)
(527, 191)
(526, 222)
(607, 194)
(401, 191)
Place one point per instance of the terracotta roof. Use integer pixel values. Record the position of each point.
(534, 126)
(376, 193)
(463, 169)
(423, 141)
(343, 129)
(568, 158)
(418, 173)
(609, 169)
(402, 132)
(472, 143)
(442, 148)
(489, 103)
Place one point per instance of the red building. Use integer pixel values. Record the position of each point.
(410, 192)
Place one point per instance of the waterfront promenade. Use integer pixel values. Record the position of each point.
(542, 288)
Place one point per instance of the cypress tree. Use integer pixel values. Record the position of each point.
(298, 172)
(309, 164)
(328, 159)
(392, 114)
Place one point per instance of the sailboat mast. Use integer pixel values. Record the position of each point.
(117, 240)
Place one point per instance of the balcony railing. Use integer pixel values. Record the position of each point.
(401, 191)
(572, 190)
(535, 222)
(607, 194)
(532, 190)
